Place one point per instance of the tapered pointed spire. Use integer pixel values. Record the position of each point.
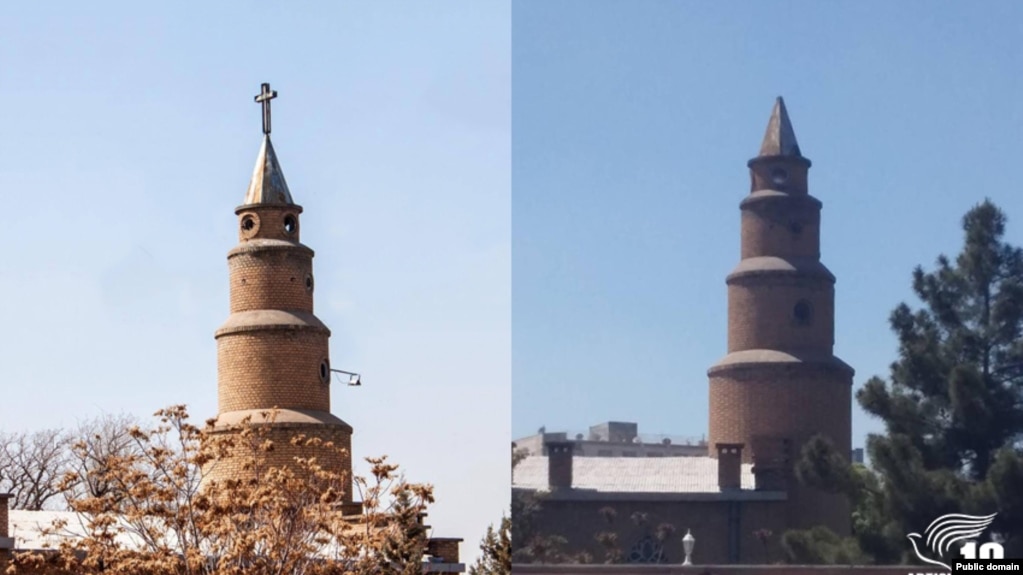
(780, 139)
(267, 185)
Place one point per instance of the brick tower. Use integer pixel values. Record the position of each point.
(273, 352)
(780, 383)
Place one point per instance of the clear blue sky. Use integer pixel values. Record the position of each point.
(129, 134)
(631, 126)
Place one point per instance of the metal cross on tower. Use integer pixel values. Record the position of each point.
(264, 97)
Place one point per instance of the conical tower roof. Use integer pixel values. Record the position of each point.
(780, 139)
(267, 185)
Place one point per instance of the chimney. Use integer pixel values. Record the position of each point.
(729, 466)
(771, 463)
(444, 549)
(6, 542)
(559, 464)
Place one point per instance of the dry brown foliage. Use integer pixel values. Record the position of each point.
(34, 466)
(160, 512)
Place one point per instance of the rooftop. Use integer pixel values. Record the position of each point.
(27, 529)
(631, 475)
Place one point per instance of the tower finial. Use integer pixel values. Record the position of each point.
(267, 185)
(780, 139)
(263, 98)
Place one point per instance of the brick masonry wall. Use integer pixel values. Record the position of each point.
(782, 227)
(559, 466)
(269, 277)
(581, 521)
(763, 172)
(761, 314)
(793, 401)
(447, 549)
(261, 370)
(781, 400)
(284, 453)
(268, 222)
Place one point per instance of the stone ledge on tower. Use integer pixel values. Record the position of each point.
(269, 245)
(756, 358)
(271, 319)
(779, 196)
(804, 267)
(280, 418)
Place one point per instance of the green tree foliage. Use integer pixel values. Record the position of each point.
(497, 552)
(529, 544)
(820, 546)
(608, 538)
(404, 544)
(821, 465)
(952, 404)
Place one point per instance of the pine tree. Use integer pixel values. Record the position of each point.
(952, 405)
(496, 547)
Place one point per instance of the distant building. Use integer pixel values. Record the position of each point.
(615, 439)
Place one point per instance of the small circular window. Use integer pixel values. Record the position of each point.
(309, 282)
(290, 224)
(325, 371)
(796, 228)
(249, 225)
(802, 312)
(779, 176)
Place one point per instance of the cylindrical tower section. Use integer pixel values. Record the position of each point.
(780, 225)
(772, 394)
(781, 173)
(764, 394)
(334, 452)
(271, 274)
(270, 358)
(773, 305)
(270, 221)
(272, 351)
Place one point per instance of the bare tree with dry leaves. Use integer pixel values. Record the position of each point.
(31, 467)
(34, 466)
(161, 512)
(92, 444)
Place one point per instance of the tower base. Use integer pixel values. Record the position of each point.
(281, 428)
(763, 396)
